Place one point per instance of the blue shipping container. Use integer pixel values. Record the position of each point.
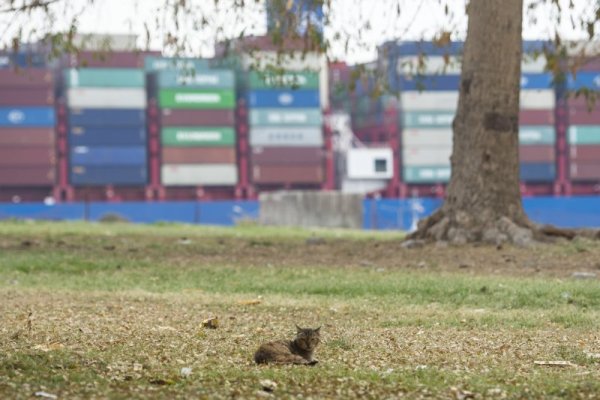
(27, 116)
(284, 98)
(107, 117)
(536, 81)
(584, 80)
(430, 82)
(412, 48)
(22, 59)
(126, 175)
(130, 155)
(107, 136)
(537, 172)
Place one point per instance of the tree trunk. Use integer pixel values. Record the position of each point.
(483, 201)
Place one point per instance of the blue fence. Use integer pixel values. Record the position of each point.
(381, 214)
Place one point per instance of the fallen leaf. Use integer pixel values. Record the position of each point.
(249, 302)
(162, 382)
(211, 323)
(555, 363)
(45, 395)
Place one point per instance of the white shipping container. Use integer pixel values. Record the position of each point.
(286, 136)
(428, 101)
(441, 137)
(426, 156)
(106, 98)
(199, 174)
(409, 65)
(103, 42)
(539, 99)
(294, 61)
(369, 163)
(362, 186)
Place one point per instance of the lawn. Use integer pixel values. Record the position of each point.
(116, 311)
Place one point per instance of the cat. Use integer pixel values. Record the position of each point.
(297, 351)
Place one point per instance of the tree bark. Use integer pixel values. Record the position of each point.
(483, 200)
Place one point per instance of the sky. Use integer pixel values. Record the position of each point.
(419, 19)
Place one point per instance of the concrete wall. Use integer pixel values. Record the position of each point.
(311, 209)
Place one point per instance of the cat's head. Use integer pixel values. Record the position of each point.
(307, 338)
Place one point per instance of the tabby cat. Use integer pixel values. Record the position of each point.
(297, 351)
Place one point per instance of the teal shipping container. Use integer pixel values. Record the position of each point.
(220, 79)
(105, 77)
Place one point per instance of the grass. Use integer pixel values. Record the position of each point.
(115, 310)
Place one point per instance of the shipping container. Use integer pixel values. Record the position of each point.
(287, 155)
(540, 99)
(585, 153)
(582, 134)
(531, 135)
(196, 98)
(27, 176)
(537, 154)
(108, 175)
(369, 163)
(585, 171)
(22, 59)
(296, 117)
(582, 103)
(26, 78)
(273, 98)
(121, 98)
(290, 174)
(427, 101)
(108, 156)
(199, 174)
(200, 136)
(428, 65)
(536, 81)
(105, 59)
(17, 97)
(154, 63)
(183, 117)
(287, 79)
(584, 80)
(291, 61)
(109, 117)
(22, 156)
(101, 42)
(105, 78)
(427, 119)
(107, 136)
(584, 116)
(198, 155)
(210, 79)
(536, 117)
(441, 137)
(27, 116)
(426, 156)
(286, 136)
(27, 137)
(430, 83)
(426, 174)
(537, 172)
(429, 48)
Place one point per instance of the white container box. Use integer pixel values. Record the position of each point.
(286, 136)
(441, 137)
(106, 98)
(199, 174)
(369, 163)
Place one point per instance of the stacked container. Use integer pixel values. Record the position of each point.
(27, 119)
(107, 126)
(584, 128)
(286, 132)
(197, 127)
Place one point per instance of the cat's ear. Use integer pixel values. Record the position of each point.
(298, 328)
(318, 329)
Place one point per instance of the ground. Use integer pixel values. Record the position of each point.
(116, 311)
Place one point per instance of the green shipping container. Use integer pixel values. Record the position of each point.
(220, 79)
(580, 134)
(198, 137)
(196, 98)
(530, 134)
(288, 79)
(427, 119)
(279, 117)
(426, 174)
(105, 78)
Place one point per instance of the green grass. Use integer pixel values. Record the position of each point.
(116, 311)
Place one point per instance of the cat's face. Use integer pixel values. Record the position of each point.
(308, 339)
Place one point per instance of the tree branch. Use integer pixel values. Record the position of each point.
(31, 6)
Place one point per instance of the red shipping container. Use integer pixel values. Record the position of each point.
(581, 103)
(26, 136)
(27, 176)
(585, 171)
(198, 155)
(536, 117)
(182, 117)
(26, 97)
(537, 153)
(583, 116)
(590, 64)
(27, 156)
(107, 59)
(287, 155)
(287, 174)
(585, 153)
(26, 77)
